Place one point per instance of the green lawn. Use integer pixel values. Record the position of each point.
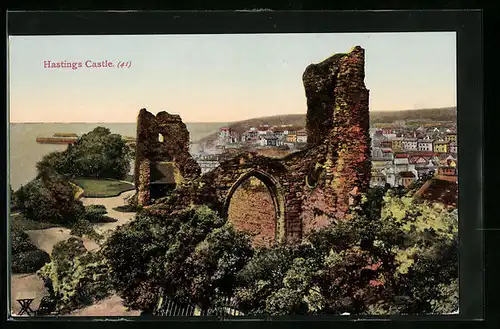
(99, 188)
(20, 222)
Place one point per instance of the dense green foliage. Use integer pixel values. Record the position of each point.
(97, 154)
(75, 276)
(29, 261)
(95, 213)
(25, 256)
(84, 227)
(395, 255)
(190, 256)
(50, 199)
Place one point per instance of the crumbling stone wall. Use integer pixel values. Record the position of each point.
(163, 137)
(311, 186)
(338, 115)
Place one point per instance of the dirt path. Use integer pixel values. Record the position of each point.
(31, 286)
(110, 203)
(111, 306)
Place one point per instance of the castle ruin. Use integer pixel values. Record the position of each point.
(306, 187)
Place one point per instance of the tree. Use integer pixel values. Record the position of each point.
(190, 256)
(76, 276)
(49, 198)
(98, 154)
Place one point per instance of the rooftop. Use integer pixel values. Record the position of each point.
(439, 190)
(407, 174)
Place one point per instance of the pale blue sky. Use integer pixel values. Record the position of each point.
(210, 78)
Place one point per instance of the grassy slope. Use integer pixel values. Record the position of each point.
(95, 188)
(441, 114)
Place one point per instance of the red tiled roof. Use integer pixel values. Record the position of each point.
(424, 154)
(440, 190)
(401, 155)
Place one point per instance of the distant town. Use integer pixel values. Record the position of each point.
(401, 153)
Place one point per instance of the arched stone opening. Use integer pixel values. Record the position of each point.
(278, 203)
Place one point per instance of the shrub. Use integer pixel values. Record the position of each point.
(95, 213)
(20, 241)
(77, 277)
(29, 261)
(49, 199)
(26, 257)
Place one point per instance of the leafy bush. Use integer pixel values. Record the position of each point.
(130, 206)
(26, 257)
(84, 227)
(49, 198)
(95, 213)
(20, 241)
(189, 256)
(29, 261)
(77, 277)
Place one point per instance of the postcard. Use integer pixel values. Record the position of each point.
(233, 175)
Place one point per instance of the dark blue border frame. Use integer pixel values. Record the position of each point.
(467, 24)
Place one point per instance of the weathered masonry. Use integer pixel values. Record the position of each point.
(306, 187)
(162, 155)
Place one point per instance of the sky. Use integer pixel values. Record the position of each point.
(217, 78)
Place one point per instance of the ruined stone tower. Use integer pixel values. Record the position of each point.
(338, 115)
(162, 159)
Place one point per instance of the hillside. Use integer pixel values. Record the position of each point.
(436, 114)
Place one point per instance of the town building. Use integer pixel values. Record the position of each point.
(234, 137)
(447, 171)
(291, 137)
(302, 136)
(410, 144)
(377, 178)
(397, 144)
(423, 165)
(378, 153)
(425, 144)
(269, 140)
(224, 132)
(250, 136)
(453, 148)
(386, 144)
(406, 178)
(441, 146)
(451, 137)
(280, 133)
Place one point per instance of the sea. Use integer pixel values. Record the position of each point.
(24, 152)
